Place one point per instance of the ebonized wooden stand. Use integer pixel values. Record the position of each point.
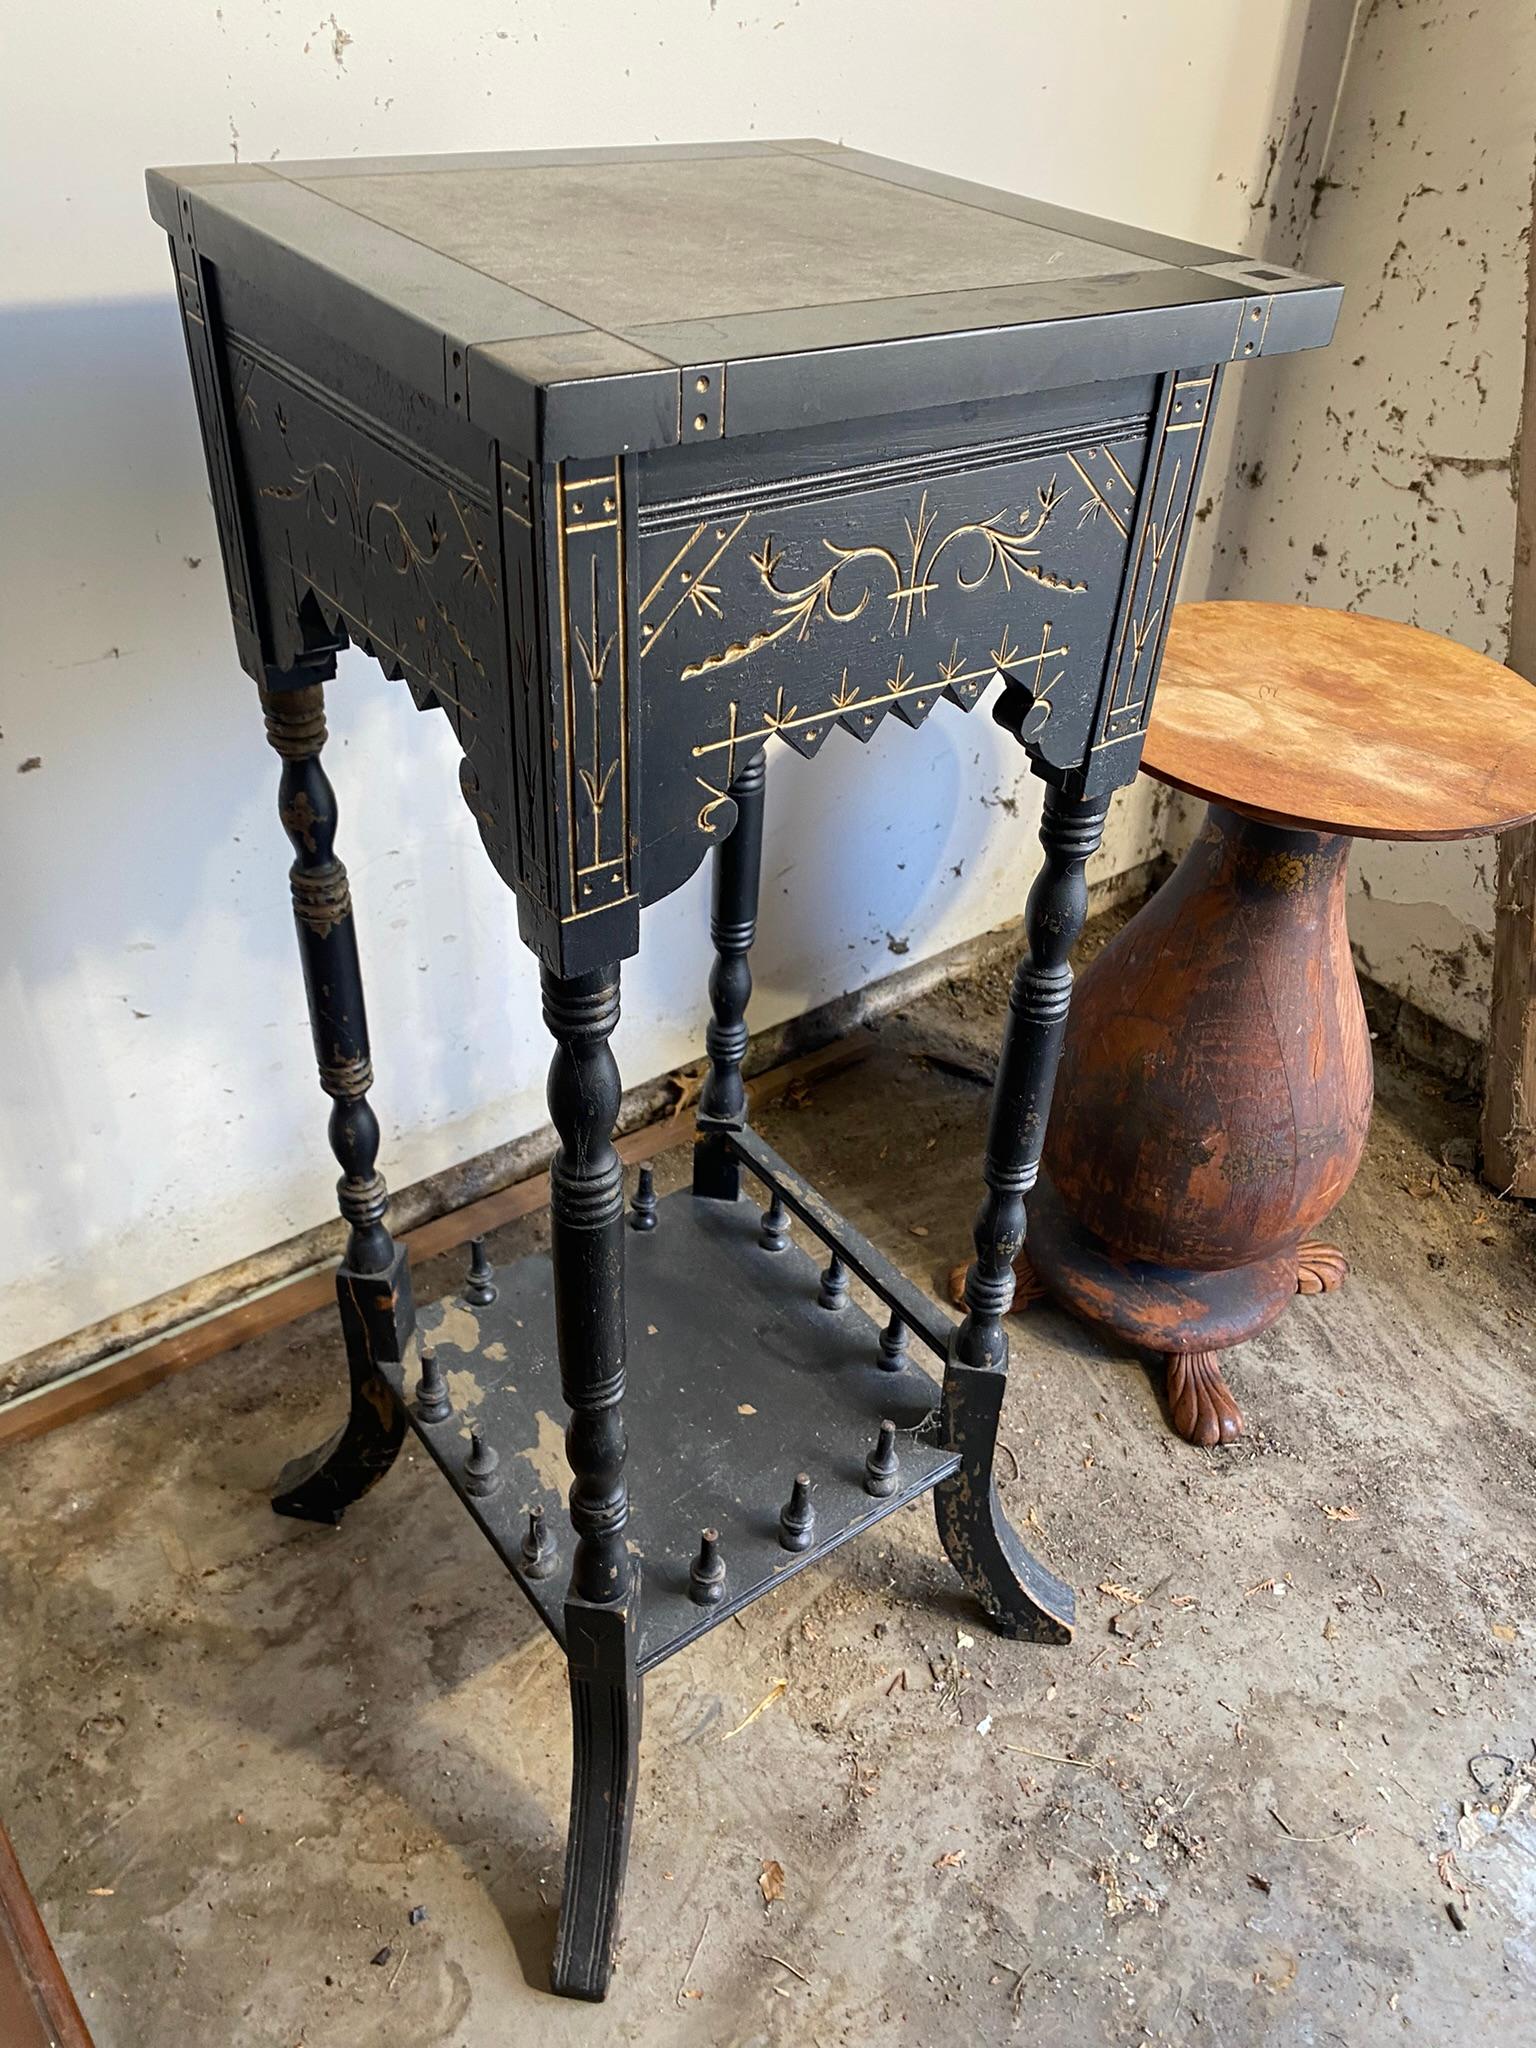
(629, 462)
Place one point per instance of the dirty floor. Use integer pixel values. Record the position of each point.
(279, 1786)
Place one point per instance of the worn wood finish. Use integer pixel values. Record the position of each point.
(373, 1282)
(1216, 1088)
(1342, 723)
(1509, 1106)
(633, 463)
(146, 1365)
(586, 1207)
(1214, 1101)
(1022, 1599)
(622, 553)
(812, 1384)
(732, 927)
(37, 2007)
(1509, 1102)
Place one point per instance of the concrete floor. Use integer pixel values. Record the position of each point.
(235, 1752)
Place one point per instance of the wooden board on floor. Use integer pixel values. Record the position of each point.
(37, 2007)
(134, 1372)
(1509, 1104)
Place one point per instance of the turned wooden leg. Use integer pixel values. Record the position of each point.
(373, 1284)
(601, 1608)
(1022, 1598)
(1200, 1401)
(1028, 1287)
(732, 927)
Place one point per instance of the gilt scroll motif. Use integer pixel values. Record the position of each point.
(363, 535)
(844, 600)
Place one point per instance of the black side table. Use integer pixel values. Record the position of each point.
(629, 462)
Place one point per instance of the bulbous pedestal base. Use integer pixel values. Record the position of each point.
(1212, 1105)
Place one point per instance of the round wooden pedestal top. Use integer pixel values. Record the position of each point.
(1331, 722)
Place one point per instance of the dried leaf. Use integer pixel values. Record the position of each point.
(779, 1687)
(950, 1860)
(1111, 1591)
(1337, 1514)
(687, 1081)
(770, 1881)
(1450, 1875)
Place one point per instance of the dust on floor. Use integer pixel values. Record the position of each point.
(1280, 1790)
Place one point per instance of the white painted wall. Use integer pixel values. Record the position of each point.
(1377, 477)
(158, 1112)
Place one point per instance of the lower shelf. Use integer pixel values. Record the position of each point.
(738, 1379)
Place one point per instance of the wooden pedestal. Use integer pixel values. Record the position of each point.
(1213, 1102)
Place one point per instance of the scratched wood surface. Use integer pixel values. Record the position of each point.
(37, 2007)
(1338, 723)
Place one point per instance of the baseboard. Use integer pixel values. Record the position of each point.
(488, 1173)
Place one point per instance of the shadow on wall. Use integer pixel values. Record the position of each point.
(158, 1114)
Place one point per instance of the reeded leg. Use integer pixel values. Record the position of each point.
(587, 1247)
(733, 927)
(1021, 1597)
(373, 1284)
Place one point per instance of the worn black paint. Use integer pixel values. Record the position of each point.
(732, 927)
(373, 1284)
(622, 546)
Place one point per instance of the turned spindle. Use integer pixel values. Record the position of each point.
(797, 1517)
(893, 1345)
(773, 1236)
(586, 1214)
(479, 1282)
(373, 1283)
(706, 1575)
(882, 1470)
(432, 1402)
(642, 1209)
(733, 926)
(538, 1549)
(481, 1474)
(833, 1293)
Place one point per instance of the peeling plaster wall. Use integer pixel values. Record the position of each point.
(1378, 475)
(158, 1112)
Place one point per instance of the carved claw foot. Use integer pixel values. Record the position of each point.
(1200, 1400)
(1320, 1268)
(1027, 1285)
